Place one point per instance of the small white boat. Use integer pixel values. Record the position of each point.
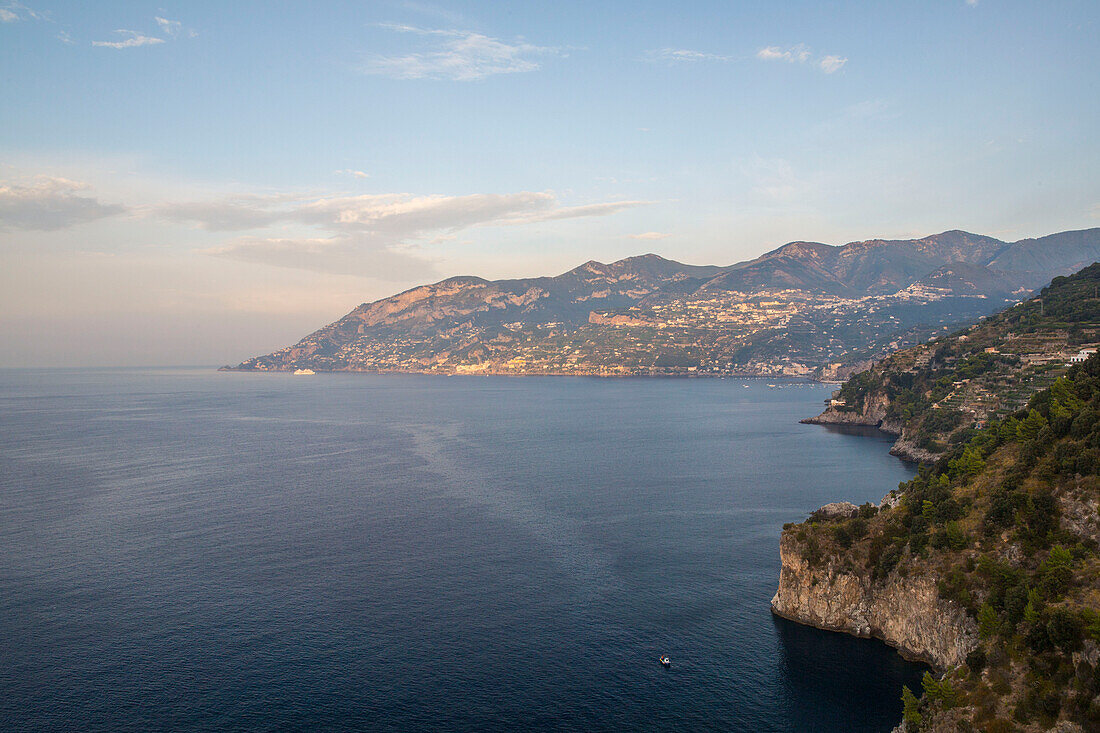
(665, 661)
(301, 372)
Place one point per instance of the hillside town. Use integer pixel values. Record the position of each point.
(768, 332)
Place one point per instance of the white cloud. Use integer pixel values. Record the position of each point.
(49, 204)
(675, 55)
(971, 3)
(800, 54)
(575, 212)
(650, 235)
(367, 231)
(829, 64)
(403, 215)
(232, 214)
(168, 27)
(794, 54)
(341, 255)
(13, 12)
(456, 56)
(65, 38)
(133, 40)
(353, 173)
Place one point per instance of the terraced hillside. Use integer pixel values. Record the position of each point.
(937, 394)
(986, 565)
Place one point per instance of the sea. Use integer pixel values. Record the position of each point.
(188, 549)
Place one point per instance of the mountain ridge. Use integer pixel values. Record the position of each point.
(521, 325)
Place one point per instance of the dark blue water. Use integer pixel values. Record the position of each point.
(183, 549)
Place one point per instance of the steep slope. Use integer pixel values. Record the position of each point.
(935, 394)
(986, 565)
(1056, 254)
(881, 266)
(805, 266)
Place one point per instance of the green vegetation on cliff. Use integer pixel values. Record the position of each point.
(1006, 523)
(938, 393)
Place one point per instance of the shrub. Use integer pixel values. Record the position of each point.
(1065, 629)
(956, 540)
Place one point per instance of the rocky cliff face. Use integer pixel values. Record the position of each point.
(905, 612)
(873, 414)
(907, 449)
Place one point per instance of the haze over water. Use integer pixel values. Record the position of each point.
(202, 550)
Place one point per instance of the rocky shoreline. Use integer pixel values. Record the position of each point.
(906, 613)
(903, 447)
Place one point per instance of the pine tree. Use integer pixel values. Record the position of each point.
(910, 707)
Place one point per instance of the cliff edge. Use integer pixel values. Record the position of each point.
(905, 612)
(938, 394)
(985, 565)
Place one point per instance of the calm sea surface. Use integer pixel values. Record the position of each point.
(187, 549)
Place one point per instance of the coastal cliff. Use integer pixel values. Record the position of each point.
(874, 413)
(936, 395)
(986, 565)
(905, 612)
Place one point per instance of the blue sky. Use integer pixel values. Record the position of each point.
(204, 181)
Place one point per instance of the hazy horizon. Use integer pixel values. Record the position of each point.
(204, 182)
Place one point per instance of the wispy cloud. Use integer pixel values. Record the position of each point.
(50, 204)
(394, 216)
(402, 216)
(793, 54)
(576, 212)
(369, 230)
(680, 55)
(800, 54)
(650, 235)
(456, 55)
(829, 64)
(341, 255)
(132, 39)
(168, 27)
(353, 173)
(13, 12)
(236, 213)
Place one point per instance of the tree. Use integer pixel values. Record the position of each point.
(987, 621)
(910, 707)
(1034, 608)
(1065, 629)
(968, 464)
(1028, 430)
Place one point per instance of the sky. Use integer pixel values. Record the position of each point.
(202, 182)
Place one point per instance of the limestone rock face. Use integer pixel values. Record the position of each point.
(838, 510)
(906, 613)
(872, 414)
(891, 500)
(908, 450)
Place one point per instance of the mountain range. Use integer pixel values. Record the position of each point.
(790, 311)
